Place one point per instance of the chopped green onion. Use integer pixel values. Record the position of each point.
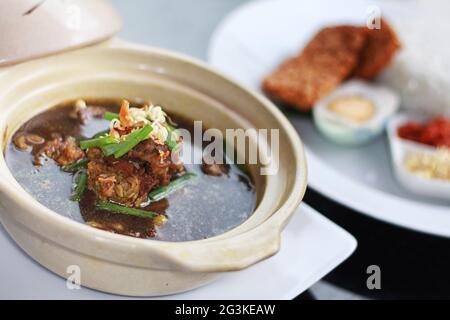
(80, 185)
(176, 184)
(101, 134)
(116, 208)
(131, 140)
(73, 167)
(96, 142)
(110, 149)
(171, 141)
(110, 115)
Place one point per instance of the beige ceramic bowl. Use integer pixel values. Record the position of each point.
(125, 265)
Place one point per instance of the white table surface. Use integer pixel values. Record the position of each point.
(311, 246)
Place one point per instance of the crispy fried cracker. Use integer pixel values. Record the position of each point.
(327, 60)
(381, 46)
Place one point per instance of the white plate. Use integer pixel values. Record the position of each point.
(311, 247)
(256, 37)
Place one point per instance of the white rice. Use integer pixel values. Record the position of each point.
(421, 71)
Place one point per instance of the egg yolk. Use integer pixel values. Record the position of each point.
(353, 108)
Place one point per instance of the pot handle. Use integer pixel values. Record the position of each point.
(234, 254)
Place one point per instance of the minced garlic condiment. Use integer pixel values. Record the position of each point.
(139, 117)
(353, 108)
(434, 166)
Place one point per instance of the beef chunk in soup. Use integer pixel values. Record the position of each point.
(212, 168)
(63, 151)
(83, 113)
(158, 159)
(129, 179)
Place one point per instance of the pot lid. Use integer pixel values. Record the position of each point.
(35, 28)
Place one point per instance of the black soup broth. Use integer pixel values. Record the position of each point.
(210, 206)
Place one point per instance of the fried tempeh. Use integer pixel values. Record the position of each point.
(381, 46)
(327, 60)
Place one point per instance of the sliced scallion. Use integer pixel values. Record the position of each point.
(116, 208)
(171, 141)
(80, 185)
(174, 185)
(74, 167)
(96, 142)
(101, 134)
(110, 115)
(110, 149)
(131, 140)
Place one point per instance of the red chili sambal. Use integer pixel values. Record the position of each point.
(435, 132)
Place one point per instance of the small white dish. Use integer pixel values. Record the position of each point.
(341, 130)
(312, 247)
(400, 149)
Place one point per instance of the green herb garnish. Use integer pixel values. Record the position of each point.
(96, 142)
(116, 208)
(101, 134)
(80, 185)
(171, 141)
(176, 184)
(111, 115)
(74, 167)
(131, 140)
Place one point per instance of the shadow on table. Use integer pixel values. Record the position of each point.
(413, 265)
